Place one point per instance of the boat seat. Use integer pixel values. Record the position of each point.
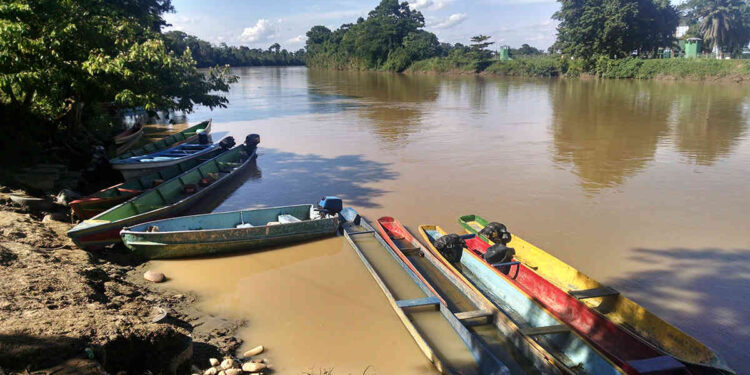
(468, 315)
(593, 293)
(656, 364)
(410, 250)
(546, 330)
(410, 303)
(287, 219)
(362, 232)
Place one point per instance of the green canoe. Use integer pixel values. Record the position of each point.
(188, 135)
(166, 200)
(227, 232)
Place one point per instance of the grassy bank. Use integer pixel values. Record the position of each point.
(557, 66)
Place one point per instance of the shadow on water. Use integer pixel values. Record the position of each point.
(702, 291)
(289, 178)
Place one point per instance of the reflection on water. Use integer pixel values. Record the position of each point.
(591, 171)
(609, 132)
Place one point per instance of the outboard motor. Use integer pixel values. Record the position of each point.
(227, 143)
(499, 253)
(203, 138)
(496, 233)
(451, 246)
(330, 206)
(252, 140)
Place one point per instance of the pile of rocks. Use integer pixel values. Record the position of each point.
(234, 366)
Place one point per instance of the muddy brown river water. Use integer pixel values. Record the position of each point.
(641, 185)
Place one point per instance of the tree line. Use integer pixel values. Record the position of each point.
(206, 54)
(393, 38)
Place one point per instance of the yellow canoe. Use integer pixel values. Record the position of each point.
(617, 308)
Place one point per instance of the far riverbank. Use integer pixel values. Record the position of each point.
(729, 71)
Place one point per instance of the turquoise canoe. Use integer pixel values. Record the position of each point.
(557, 338)
(227, 232)
(169, 199)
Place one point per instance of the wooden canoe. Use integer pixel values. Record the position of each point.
(446, 342)
(553, 335)
(616, 307)
(624, 348)
(226, 232)
(143, 164)
(129, 135)
(94, 204)
(492, 327)
(188, 135)
(166, 200)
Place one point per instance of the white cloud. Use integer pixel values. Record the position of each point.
(179, 22)
(446, 23)
(262, 31)
(422, 5)
(296, 40)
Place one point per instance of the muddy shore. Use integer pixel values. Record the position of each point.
(64, 310)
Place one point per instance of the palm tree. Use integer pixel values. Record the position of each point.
(723, 24)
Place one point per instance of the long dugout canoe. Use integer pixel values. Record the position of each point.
(503, 337)
(624, 348)
(226, 232)
(166, 200)
(613, 305)
(558, 339)
(94, 204)
(437, 332)
(188, 135)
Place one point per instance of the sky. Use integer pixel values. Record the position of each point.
(260, 23)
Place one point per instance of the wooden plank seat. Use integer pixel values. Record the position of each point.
(467, 315)
(410, 250)
(656, 364)
(410, 303)
(362, 232)
(593, 293)
(546, 330)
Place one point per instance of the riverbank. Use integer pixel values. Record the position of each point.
(64, 309)
(557, 66)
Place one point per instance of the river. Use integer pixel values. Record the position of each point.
(643, 185)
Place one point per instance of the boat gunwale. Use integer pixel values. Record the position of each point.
(137, 164)
(110, 224)
(718, 363)
(126, 230)
(206, 129)
(541, 357)
(530, 298)
(416, 334)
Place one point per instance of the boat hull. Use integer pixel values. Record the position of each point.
(619, 309)
(569, 347)
(189, 135)
(133, 170)
(200, 242)
(87, 208)
(434, 328)
(621, 346)
(98, 232)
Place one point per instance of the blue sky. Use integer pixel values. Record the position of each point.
(260, 23)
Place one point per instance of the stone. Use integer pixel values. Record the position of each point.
(213, 361)
(253, 366)
(66, 196)
(55, 216)
(227, 363)
(154, 276)
(211, 371)
(233, 371)
(254, 351)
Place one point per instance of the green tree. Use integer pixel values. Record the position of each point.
(64, 64)
(614, 28)
(724, 24)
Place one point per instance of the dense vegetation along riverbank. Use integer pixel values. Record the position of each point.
(393, 38)
(558, 66)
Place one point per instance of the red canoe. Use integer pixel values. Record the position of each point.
(617, 343)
